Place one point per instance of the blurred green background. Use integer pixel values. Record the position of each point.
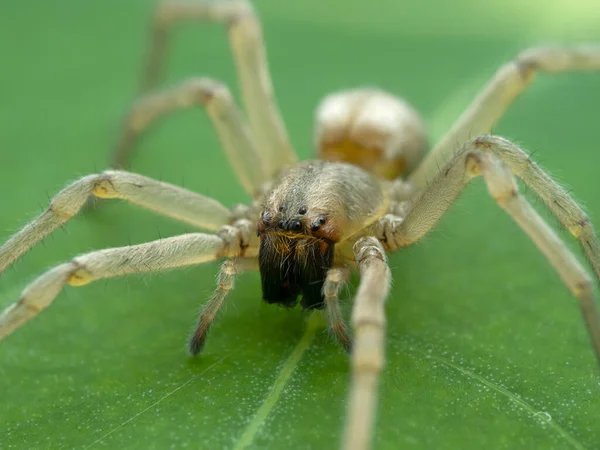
(486, 348)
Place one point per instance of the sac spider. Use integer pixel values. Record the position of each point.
(313, 222)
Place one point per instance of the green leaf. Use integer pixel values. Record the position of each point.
(485, 348)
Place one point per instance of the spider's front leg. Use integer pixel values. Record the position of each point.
(493, 158)
(160, 255)
(368, 324)
(163, 198)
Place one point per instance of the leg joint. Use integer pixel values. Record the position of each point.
(483, 142)
(367, 248)
(527, 65)
(240, 11)
(227, 275)
(505, 196)
(368, 350)
(29, 306)
(579, 227)
(241, 211)
(204, 90)
(80, 275)
(473, 164)
(583, 288)
(236, 238)
(368, 321)
(104, 186)
(57, 211)
(330, 291)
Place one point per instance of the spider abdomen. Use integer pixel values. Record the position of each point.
(372, 129)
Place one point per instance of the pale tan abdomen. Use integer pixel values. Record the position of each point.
(371, 129)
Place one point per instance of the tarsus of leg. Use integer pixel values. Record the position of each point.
(499, 94)
(336, 278)
(163, 198)
(478, 158)
(226, 280)
(250, 57)
(368, 323)
(235, 136)
(164, 254)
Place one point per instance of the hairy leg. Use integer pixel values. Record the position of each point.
(163, 198)
(246, 40)
(164, 254)
(497, 96)
(555, 197)
(229, 270)
(368, 324)
(476, 160)
(336, 277)
(234, 134)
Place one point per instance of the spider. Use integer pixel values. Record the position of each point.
(369, 192)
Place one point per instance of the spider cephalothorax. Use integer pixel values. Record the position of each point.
(312, 207)
(318, 220)
(296, 245)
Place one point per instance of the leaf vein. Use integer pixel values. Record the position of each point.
(284, 375)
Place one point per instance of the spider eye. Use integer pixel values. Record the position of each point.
(266, 217)
(302, 210)
(317, 223)
(281, 208)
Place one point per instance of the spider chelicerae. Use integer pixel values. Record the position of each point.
(311, 223)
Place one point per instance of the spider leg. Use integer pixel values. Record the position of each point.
(556, 198)
(368, 324)
(229, 270)
(246, 40)
(234, 134)
(163, 198)
(497, 96)
(475, 159)
(160, 255)
(336, 277)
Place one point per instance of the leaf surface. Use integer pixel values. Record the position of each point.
(485, 346)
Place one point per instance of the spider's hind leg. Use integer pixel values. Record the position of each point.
(372, 129)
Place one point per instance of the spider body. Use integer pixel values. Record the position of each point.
(310, 223)
(313, 207)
